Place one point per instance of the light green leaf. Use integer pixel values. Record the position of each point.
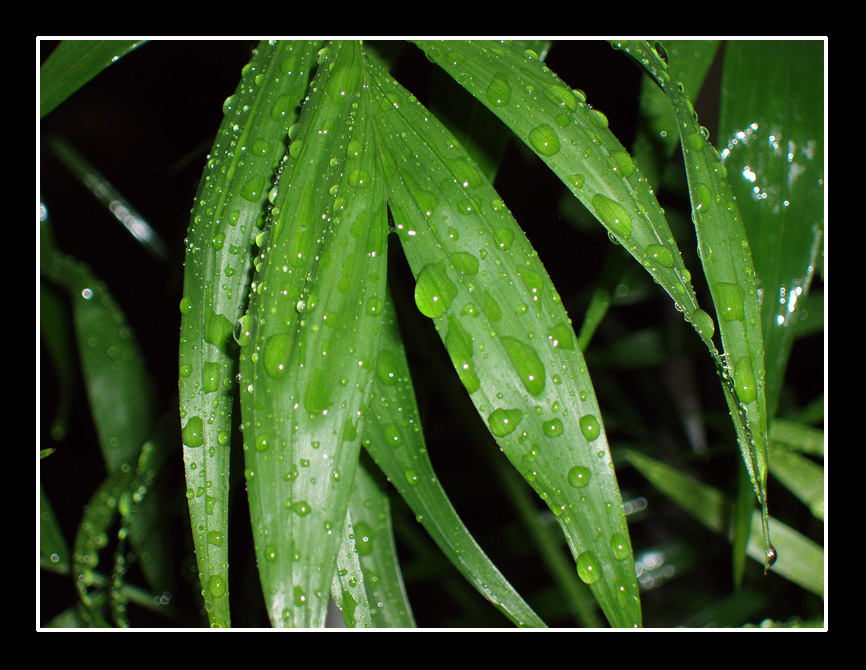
(227, 215)
(727, 261)
(395, 440)
(508, 336)
(309, 339)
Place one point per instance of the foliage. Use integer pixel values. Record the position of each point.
(345, 228)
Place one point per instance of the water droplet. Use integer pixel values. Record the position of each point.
(302, 508)
(589, 427)
(185, 305)
(211, 377)
(253, 189)
(434, 291)
(363, 538)
(465, 262)
(458, 342)
(504, 238)
(730, 297)
(579, 476)
(193, 432)
(243, 330)
(562, 96)
(661, 254)
(598, 118)
(703, 323)
(217, 586)
(499, 92)
(215, 538)
(588, 568)
(359, 178)
(612, 214)
(619, 547)
(504, 421)
(744, 380)
(185, 370)
(772, 556)
(624, 163)
(527, 364)
(544, 140)
(552, 428)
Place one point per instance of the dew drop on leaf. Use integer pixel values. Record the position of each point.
(588, 568)
(544, 140)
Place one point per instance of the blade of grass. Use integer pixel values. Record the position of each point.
(508, 336)
(310, 337)
(118, 384)
(395, 441)
(374, 546)
(727, 261)
(774, 156)
(72, 64)
(800, 560)
(574, 140)
(227, 216)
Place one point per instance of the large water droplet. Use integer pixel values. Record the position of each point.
(579, 476)
(276, 356)
(434, 291)
(612, 214)
(544, 140)
(744, 380)
(730, 297)
(589, 427)
(588, 568)
(193, 432)
(504, 421)
(499, 92)
(527, 364)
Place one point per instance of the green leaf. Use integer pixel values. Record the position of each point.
(227, 215)
(726, 257)
(395, 440)
(508, 336)
(72, 64)
(773, 139)
(372, 543)
(800, 560)
(310, 338)
(574, 140)
(119, 386)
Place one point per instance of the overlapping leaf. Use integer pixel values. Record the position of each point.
(508, 336)
(727, 261)
(394, 438)
(308, 341)
(227, 216)
(574, 140)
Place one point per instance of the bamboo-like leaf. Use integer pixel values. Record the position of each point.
(119, 387)
(309, 340)
(772, 140)
(574, 140)
(508, 336)
(348, 588)
(72, 64)
(800, 560)
(727, 261)
(800, 475)
(395, 440)
(227, 216)
(373, 544)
